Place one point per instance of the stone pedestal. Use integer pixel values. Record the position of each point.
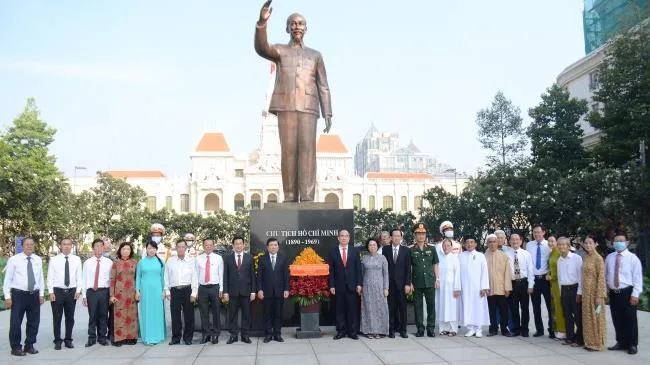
(309, 321)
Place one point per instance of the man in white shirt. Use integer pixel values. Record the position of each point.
(181, 287)
(624, 278)
(24, 290)
(64, 282)
(569, 274)
(96, 281)
(209, 270)
(540, 253)
(523, 280)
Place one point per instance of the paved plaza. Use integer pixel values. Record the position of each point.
(440, 350)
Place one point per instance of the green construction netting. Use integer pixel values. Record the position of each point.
(602, 19)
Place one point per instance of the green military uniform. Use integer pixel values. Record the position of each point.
(423, 279)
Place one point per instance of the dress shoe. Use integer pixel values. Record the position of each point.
(525, 334)
(538, 334)
(340, 335)
(174, 342)
(507, 334)
(551, 335)
(68, 344)
(391, 335)
(231, 340)
(479, 334)
(470, 333)
(354, 337)
(431, 333)
(419, 333)
(215, 340)
(617, 347)
(119, 343)
(267, 339)
(57, 346)
(278, 338)
(205, 339)
(17, 352)
(246, 339)
(188, 342)
(632, 350)
(403, 335)
(103, 342)
(490, 334)
(30, 350)
(90, 343)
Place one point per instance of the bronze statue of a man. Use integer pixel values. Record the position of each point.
(300, 88)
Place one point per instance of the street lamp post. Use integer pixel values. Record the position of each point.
(455, 178)
(76, 168)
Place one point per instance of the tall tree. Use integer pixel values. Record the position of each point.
(500, 130)
(114, 200)
(624, 90)
(555, 134)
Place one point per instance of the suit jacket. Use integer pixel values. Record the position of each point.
(345, 277)
(399, 272)
(242, 281)
(273, 282)
(498, 272)
(300, 81)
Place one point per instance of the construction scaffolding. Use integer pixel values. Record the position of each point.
(603, 19)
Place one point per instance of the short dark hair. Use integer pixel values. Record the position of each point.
(66, 239)
(152, 243)
(341, 231)
(119, 250)
(207, 239)
(271, 239)
(396, 229)
(96, 240)
(540, 227)
(181, 241)
(371, 239)
(469, 237)
(237, 237)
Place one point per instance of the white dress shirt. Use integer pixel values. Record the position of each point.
(531, 247)
(569, 270)
(56, 273)
(16, 274)
(180, 272)
(104, 280)
(525, 265)
(630, 272)
(216, 270)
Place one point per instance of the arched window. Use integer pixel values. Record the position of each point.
(418, 203)
(356, 201)
(371, 202)
(185, 203)
(332, 198)
(404, 204)
(272, 198)
(387, 202)
(256, 201)
(151, 204)
(239, 202)
(211, 202)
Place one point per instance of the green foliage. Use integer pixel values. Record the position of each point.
(555, 135)
(114, 203)
(500, 130)
(370, 223)
(624, 79)
(644, 301)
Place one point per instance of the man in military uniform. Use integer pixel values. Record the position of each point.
(425, 278)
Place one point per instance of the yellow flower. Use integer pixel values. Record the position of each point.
(308, 256)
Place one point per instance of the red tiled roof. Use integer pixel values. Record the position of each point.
(399, 175)
(135, 173)
(330, 143)
(213, 142)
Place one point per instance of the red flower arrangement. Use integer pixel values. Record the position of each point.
(309, 289)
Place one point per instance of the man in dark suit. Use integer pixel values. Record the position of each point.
(239, 289)
(345, 285)
(399, 272)
(273, 288)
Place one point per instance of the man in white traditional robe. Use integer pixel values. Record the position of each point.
(474, 287)
(449, 291)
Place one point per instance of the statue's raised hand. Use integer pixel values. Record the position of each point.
(266, 11)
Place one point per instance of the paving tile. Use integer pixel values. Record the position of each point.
(546, 360)
(521, 350)
(302, 359)
(230, 360)
(130, 352)
(284, 349)
(162, 351)
(342, 347)
(408, 357)
(460, 354)
(339, 358)
(229, 350)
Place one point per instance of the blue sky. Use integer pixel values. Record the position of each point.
(134, 84)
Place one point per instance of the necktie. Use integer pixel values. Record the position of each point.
(273, 262)
(538, 258)
(238, 261)
(344, 256)
(31, 281)
(96, 284)
(207, 270)
(517, 270)
(394, 254)
(617, 268)
(66, 280)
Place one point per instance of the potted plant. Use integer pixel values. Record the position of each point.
(308, 287)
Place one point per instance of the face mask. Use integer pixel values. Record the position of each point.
(106, 254)
(449, 234)
(189, 243)
(156, 239)
(620, 245)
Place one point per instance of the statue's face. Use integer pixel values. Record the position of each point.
(297, 27)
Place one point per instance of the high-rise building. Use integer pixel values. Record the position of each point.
(603, 19)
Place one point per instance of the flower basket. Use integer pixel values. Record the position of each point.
(309, 287)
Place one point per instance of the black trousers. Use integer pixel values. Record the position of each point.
(97, 313)
(542, 287)
(64, 304)
(110, 320)
(624, 317)
(209, 303)
(239, 303)
(572, 313)
(347, 312)
(498, 303)
(519, 300)
(396, 309)
(23, 302)
(181, 302)
(273, 315)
